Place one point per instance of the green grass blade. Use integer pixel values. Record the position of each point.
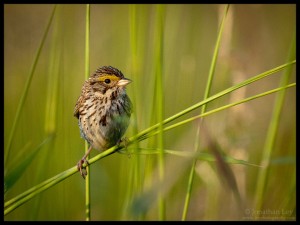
(228, 106)
(272, 131)
(206, 95)
(159, 35)
(214, 60)
(27, 85)
(87, 74)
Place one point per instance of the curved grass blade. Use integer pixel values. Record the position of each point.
(26, 87)
(203, 109)
(224, 107)
(272, 131)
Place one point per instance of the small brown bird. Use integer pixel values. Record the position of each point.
(103, 110)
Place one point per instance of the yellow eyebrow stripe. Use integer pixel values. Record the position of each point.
(111, 77)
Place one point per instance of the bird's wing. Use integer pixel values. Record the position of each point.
(77, 106)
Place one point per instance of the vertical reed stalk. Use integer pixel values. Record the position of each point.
(87, 73)
(160, 100)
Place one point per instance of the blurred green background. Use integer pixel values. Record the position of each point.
(47, 140)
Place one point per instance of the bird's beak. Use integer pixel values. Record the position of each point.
(123, 82)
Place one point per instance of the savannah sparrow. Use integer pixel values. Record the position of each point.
(103, 110)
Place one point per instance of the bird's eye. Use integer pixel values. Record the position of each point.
(107, 81)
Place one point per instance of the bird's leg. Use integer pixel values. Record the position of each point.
(82, 161)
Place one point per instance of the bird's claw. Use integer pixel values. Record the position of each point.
(80, 167)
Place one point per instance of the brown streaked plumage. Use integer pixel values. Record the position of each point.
(103, 110)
